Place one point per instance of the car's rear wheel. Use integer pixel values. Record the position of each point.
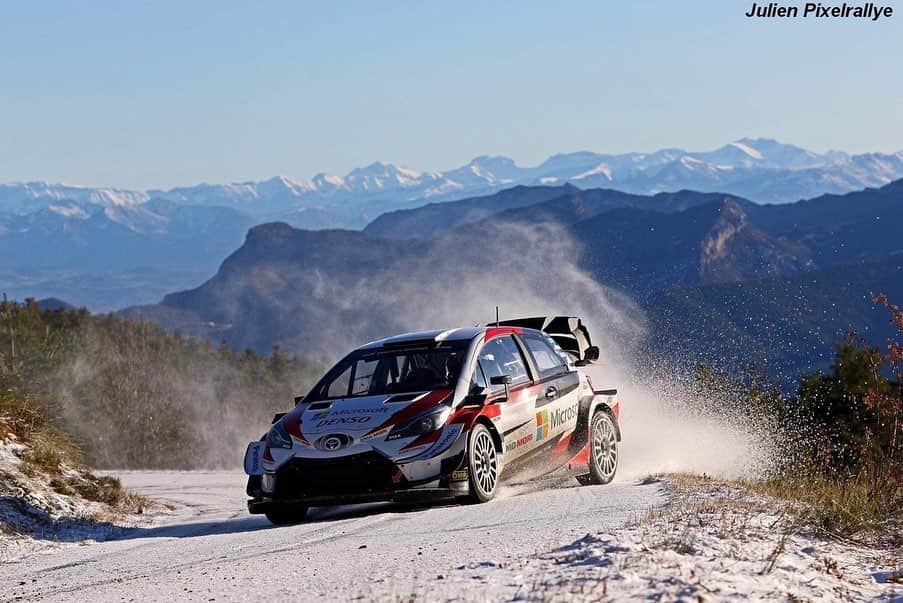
(483, 464)
(603, 449)
(287, 515)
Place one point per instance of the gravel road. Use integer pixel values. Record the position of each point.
(210, 549)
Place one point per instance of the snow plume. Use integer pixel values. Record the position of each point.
(667, 427)
(666, 424)
(530, 270)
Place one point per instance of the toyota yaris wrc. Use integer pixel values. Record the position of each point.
(440, 414)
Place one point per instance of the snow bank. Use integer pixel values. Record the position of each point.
(713, 542)
(36, 514)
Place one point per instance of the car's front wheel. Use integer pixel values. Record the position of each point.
(483, 464)
(287, 515)
(603, 449)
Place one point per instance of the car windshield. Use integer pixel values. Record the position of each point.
(393, 371)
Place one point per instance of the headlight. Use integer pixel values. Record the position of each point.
(427, 422)
(278, 437)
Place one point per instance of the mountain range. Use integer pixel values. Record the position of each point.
(706, 275)
(762, 170)
(110, 248)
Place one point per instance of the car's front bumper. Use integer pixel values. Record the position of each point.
(352, 479)
(416, 495)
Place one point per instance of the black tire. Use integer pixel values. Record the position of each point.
(287, 515)
(603, 448)
(483, 464)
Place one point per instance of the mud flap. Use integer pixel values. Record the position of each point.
(254, 458)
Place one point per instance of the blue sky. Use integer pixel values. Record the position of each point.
(156, 94)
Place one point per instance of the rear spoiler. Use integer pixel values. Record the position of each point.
(569, 333)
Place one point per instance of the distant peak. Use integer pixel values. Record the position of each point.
(282, 181)
(378, 167)
(54, 303)
(269, 232)
(753, 141)
(324, 178)
(491, 159)
(746, 148)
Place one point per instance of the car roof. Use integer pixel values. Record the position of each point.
(460, 334)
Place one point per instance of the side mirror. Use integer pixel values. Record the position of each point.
(299, 400)
(501, 380)
(476, 397)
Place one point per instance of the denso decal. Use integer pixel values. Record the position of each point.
(343, 421)
(546, 420)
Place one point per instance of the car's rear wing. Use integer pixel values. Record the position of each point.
(569, 333)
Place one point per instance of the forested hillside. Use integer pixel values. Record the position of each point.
(130, 395)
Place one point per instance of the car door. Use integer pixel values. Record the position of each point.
(557, 403)
(503, 356)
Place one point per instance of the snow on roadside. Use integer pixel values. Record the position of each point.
(712, 542)
(36, 517)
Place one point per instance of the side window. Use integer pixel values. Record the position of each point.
(363, 375)
(548, 361)
(501, 356)
(339, 385)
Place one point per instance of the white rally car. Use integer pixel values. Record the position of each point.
(440, 414)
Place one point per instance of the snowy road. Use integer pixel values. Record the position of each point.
(211, 549)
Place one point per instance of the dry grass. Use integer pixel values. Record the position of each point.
(856, 512)
(52, 455)
(865, 506)
(21, 415)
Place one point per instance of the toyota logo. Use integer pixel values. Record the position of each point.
(332, 443)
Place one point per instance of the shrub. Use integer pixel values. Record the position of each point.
(843, 436)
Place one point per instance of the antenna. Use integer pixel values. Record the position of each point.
(496, 316)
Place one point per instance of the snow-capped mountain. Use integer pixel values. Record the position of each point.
(29, 196)
(762, 170)
(80, 236)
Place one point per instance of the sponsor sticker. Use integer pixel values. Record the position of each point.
(376, 434)
(515, 444)
(360, 411)
(344, 412)
(254, 458)
(546, 420)
(459, 476)
(343, 421)
(449, 435)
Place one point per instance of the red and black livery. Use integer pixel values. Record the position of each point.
(440, 414)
